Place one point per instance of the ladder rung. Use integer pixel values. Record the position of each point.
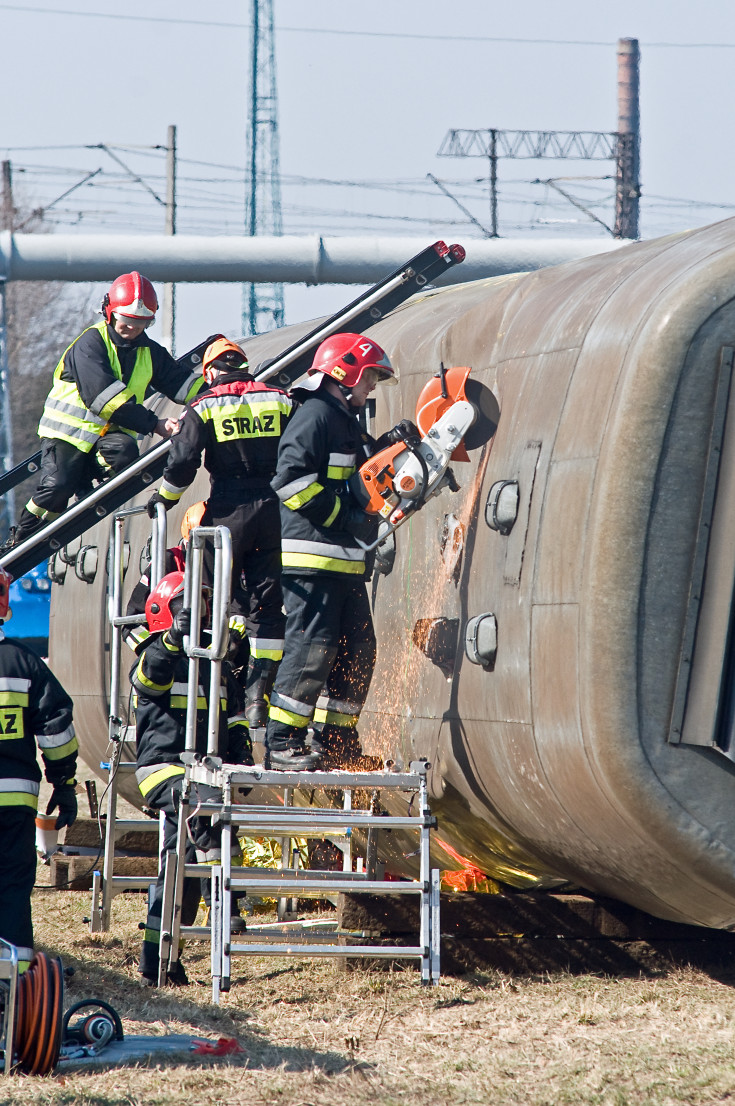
(383, 952)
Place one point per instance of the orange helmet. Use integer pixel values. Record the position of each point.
(345, 357)
(223, 354)
(158, 609)
(5, 581)
(192, 518)
(131, 296)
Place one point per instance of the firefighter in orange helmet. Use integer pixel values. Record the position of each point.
(94, 412)
(237, 423)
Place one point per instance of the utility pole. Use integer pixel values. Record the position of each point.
(621, 146)
(169, 290)
(263, 304)
(7, 503)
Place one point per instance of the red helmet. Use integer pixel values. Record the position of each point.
(345, 357)
(133, 297)
(158, 609)
(5, 580)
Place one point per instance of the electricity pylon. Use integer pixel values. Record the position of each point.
(262, 306)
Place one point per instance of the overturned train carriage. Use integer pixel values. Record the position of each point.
(555, 637)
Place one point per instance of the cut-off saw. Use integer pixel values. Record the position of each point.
(454, 414)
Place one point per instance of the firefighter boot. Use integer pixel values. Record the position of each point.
(27, 526)
(259, 679)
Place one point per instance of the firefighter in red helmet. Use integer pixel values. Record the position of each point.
(35, 714)
(160, 680)
(237, 423)
(330, 641)
(94, 411)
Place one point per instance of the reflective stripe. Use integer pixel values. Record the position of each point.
(342, 460)
(191, 386)
(343, 706)
(181, 688)
(296, 502)
(154, 775)
(335, 473)
(29, 787)
(54, 740)
(97, 406)
(322, 548)
(283, 708)
(14, 683)
(237, 720)
(327, 564)
(275, 714)
(59, 745)
(171, 491)
(295, 486)
(154, 689)
(13, 698)
(25, 955)
(333, 718)
(333, 513)
(237, 625)
(17, 792)
(39, 512)
(266, 648)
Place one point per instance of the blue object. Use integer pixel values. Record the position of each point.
(30, 603)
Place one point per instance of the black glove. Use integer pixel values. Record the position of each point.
(64, 799)
(362, 526)
(180, 628)
(154, 500)
(403, 430)
(385, 555)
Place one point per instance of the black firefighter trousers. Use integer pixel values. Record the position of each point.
(250, 511)
(330, 647)
(17, 876)
(68, 471)
(201, 842)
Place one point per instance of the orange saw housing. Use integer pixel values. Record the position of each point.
(431, 404)
(378, 481)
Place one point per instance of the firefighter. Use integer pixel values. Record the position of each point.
(94, 411)
(174, 561)
(35, 711)
(330, 641)
(159, 681)
(238, 423)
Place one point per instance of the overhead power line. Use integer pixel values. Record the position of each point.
(227, 25)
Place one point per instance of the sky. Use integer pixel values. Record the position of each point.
(366, 93)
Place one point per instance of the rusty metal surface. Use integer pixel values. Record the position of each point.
(556, 762)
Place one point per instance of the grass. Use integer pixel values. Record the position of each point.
(314, 1035)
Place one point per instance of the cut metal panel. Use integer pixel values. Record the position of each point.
(516, 542)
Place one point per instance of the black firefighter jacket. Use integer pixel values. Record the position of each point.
(160, 680)
(35, 712)
(238, 424)
(322, 446)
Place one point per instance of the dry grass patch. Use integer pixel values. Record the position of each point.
(313, 1035)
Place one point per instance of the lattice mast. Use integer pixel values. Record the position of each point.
(262, 307)
(621, 146)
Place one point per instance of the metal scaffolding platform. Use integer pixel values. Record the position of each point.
(288, 823)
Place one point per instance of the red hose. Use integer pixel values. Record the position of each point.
(38, 1016)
